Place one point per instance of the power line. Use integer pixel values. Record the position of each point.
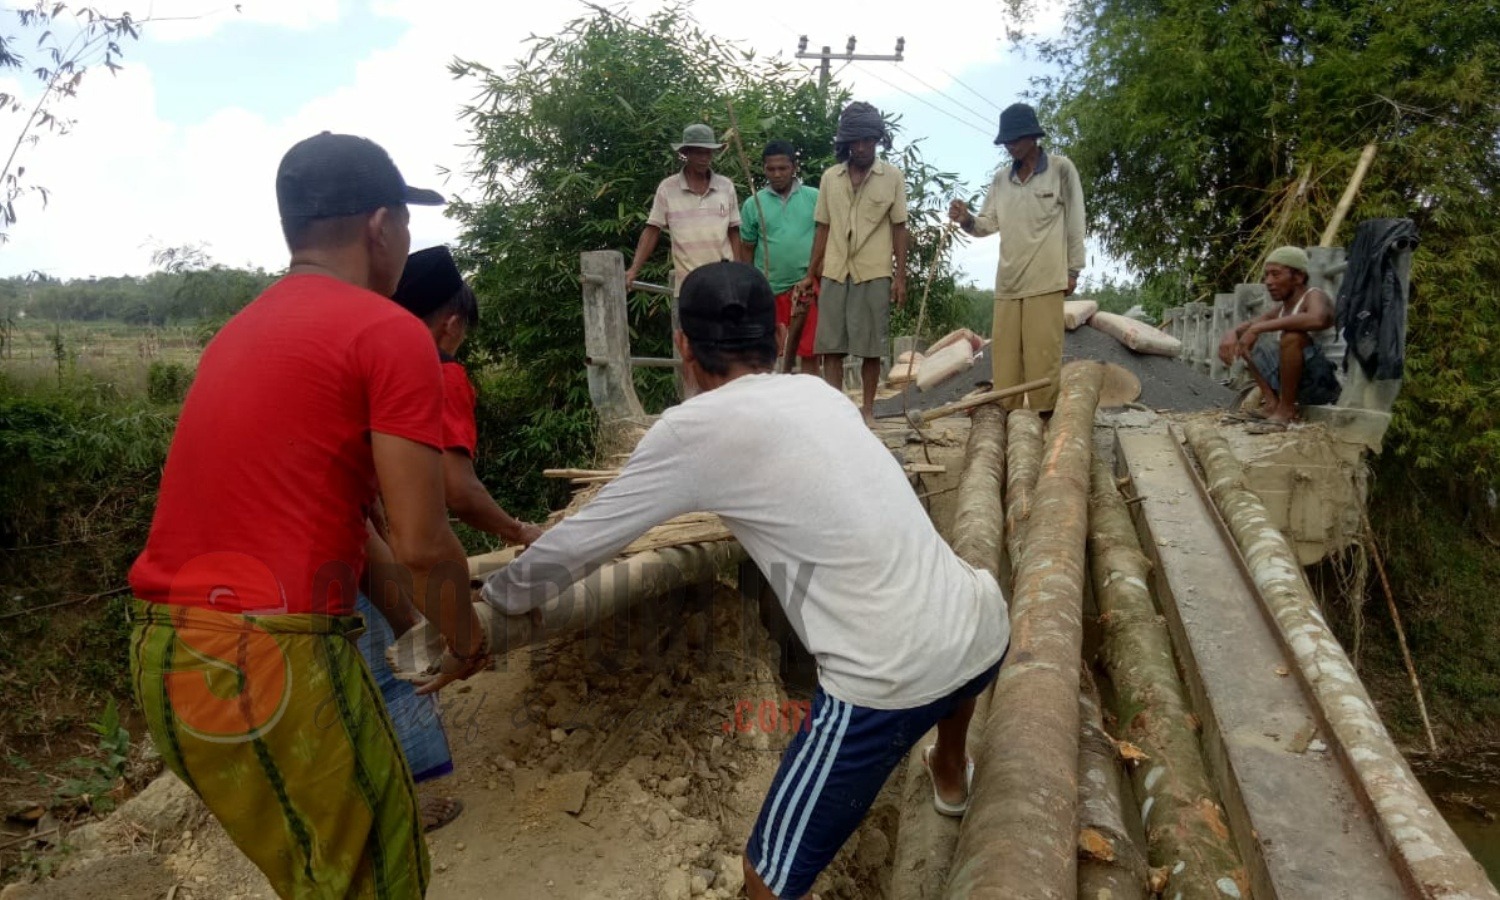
(960, 83)
(965, 122)
(971, 111)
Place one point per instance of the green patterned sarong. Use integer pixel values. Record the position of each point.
(277, 724)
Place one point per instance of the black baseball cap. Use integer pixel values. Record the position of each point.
(430, 279)
(727, 303)
(331, 175)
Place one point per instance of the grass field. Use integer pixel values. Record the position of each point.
(111, 355)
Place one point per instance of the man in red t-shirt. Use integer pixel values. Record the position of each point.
(434, 291)
(316, 394)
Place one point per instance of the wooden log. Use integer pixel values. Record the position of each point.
(1020, 835)
(1110, 865)
(1429, 855)
(979, 518)
(1023, 453)
(925, 840)
(1142, 338)
(1183, 817)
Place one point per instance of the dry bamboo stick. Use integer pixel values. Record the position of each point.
(1430, 856)
(1390, 602)
(1020, 835)
(1110, 865)
(1184, 821)
(1366, 157)
(1023, 453)
(580, 473)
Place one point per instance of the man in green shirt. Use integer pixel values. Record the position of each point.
(787, 205)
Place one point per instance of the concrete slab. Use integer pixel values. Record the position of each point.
(1296, 818)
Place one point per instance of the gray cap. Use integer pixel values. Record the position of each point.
(698, 136)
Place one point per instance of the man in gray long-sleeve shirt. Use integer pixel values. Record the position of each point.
(1036, 203)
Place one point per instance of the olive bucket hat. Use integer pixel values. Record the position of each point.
(698, 136)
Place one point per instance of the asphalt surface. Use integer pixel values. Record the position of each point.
(1166, 384)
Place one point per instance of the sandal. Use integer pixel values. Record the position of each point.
(943, 807)
(439, 811)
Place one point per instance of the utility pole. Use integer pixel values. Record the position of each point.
(827, 56)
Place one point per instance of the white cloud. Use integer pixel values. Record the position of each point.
(126, 178)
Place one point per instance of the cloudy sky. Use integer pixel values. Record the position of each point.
(181, 146)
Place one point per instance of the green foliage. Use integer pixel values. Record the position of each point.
(168, 382)
(98, 775)
(1207, 134)
(78, 477)
(569, 144)
(1444, 573)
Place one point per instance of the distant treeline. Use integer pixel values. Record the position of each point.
(161, 298)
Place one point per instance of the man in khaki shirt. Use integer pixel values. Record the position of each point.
(859, 251)
(1036, 203)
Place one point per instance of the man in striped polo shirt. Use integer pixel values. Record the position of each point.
(697, 206)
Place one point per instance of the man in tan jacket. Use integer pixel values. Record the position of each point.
(1036, 203)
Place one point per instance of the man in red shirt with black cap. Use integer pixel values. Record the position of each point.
(316, 394)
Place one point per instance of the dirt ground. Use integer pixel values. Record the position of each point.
(603, 766)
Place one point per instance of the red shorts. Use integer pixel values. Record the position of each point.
(809, 327)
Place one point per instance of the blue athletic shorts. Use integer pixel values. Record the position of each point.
(829, 776)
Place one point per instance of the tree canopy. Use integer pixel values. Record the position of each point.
(1208, 133)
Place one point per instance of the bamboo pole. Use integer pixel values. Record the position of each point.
(1432, 860)
(1023, 454)
(924, 839)
(1366, 157)
(1183, 818)
(1110, 865)
(1020, 835)
(582, 605)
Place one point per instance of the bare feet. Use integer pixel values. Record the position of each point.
(869, 418)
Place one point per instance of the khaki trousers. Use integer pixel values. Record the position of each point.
(1028, 345)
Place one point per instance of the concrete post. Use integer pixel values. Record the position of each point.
(606, 339)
